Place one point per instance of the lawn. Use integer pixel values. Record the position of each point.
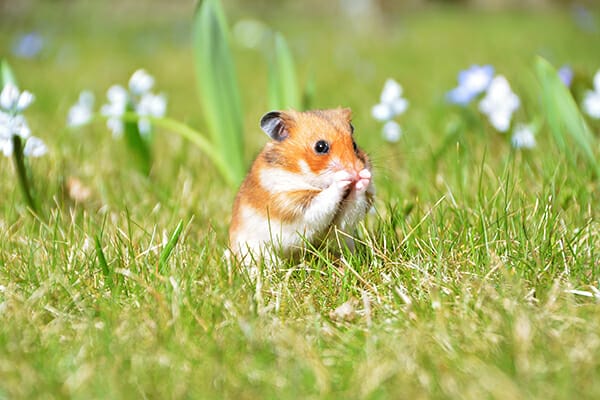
(475, 276)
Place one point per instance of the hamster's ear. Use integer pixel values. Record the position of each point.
(346, 113)
(274, 125)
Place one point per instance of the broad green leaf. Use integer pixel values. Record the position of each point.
(283, 83)
(138, 145)
(6, 74)
(564, 118)
(218, 88)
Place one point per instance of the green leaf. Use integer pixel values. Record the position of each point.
(6, 74)
(166, 253)
(139, 147)
(218, 88)
(283, 83)
(309, 92)
(564, 118)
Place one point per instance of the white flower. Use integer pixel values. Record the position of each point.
(591, 101)
(499, 103)
(81, 112)
(11, 100)
(118, 98)
(523, 137)
(152, 105)
(382, 112)
(25, 99)
(6, 147)
(139, 100)
(392, 90)
(5, 131)
(13, 125)
(391, 102)
(16, 125)
(140, 82)
(116, 126)
(35, 147)
(392, 131)
(9, 96)
(591, 104)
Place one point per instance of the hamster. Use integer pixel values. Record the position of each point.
(309, 179)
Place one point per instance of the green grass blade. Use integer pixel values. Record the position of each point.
(101, 258)
(564, 118)
(218, 88)
(166, 253)
(283, 83)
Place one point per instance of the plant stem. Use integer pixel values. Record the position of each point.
(22, 172)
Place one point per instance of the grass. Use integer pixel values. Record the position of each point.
(458, 287)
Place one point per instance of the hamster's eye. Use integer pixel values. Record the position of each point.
(322, 147)
(355, 146)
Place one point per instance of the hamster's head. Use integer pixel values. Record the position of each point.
(316, 143)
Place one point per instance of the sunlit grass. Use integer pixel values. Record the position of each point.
(458, 288)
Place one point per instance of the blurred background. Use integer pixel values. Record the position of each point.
(344, 50)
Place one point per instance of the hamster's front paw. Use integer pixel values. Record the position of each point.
(364, 179)
(342, 179)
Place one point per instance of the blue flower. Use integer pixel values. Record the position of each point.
(565, 73)
(28, 46)
(471, 82)
(584, 19)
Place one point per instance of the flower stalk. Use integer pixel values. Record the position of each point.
(15, 135)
